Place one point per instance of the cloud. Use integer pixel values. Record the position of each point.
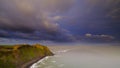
(24, 6)
(5, 20)
(114, 14)
(58, 20)
(30, 19)
(88, 35)
(101, 37)
(29, 13)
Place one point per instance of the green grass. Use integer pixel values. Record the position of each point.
(16, 55)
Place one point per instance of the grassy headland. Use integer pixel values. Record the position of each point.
(16, 56)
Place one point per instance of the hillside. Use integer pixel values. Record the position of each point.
(22, 55)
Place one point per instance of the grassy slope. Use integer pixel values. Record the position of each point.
(16, 55)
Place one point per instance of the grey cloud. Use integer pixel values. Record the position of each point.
(57, 20)
(29, 14)
(100, 37)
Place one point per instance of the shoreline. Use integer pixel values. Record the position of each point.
(31, 62)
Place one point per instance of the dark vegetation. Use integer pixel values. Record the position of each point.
(17, 55)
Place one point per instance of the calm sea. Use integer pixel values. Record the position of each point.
(81, 57)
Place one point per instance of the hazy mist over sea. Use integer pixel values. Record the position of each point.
(82, 56)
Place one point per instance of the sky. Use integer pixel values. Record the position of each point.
(60, 20)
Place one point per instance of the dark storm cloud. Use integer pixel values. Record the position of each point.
(94, 16)
(29, 14)
(59, 20)
(61, 36)
(28, 19)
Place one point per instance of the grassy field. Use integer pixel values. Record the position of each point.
(15, 56)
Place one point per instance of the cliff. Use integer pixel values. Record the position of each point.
(22, 55)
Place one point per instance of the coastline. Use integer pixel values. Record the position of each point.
(31, 62)
(22, 55)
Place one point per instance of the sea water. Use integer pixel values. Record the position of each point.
(81, 57)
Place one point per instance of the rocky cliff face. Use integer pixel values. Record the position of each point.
(19, 56)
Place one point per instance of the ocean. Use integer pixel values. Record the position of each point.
(81, 56)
